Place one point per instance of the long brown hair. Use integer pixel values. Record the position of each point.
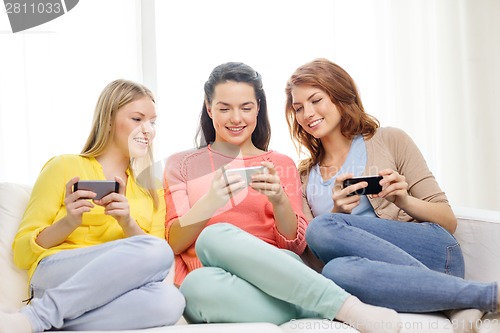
(343, 92)
(237, 72)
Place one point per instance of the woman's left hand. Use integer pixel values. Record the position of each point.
(394, 188)
(268, 183)
(116, 205)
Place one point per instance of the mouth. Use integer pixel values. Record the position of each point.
(315, 123)
(237, 129)
(142, 141)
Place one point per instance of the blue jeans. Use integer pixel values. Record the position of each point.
(112, 286)
(245, 279)
(409, 267)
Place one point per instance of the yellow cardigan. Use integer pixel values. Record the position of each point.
(46, 206)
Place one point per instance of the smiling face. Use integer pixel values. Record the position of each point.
(234, 111)
(134, 127)
(314, 111)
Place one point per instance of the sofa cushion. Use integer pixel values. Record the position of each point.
(411, 323)
(13, 281)
(478, 233)
(206, 328)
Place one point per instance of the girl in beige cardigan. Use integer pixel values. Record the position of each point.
(395, 248)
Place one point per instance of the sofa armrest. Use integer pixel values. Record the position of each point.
(478, 234)
(13, 281)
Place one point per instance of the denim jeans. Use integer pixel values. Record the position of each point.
(112, 286)
(409, 267)
(245, 279)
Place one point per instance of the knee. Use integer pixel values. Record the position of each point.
(213, 238)
(171, 307)
(202, 282)
(322, 228)
(213, 233)
(201, 293)
(192, 286)
(346, 270)
(159, 250)
(314, 230)
(153, 252)
(162, 305)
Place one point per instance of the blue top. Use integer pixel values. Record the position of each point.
(319, 191)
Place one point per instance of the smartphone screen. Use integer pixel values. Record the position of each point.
(101, 187)
(246, 173)
(373, 187)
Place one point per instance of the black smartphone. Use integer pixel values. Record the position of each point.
(101, 187)
(373, 187)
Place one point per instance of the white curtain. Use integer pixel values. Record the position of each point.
(446, 66)
(429, 67)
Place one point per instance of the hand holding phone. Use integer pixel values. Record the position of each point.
(100, 187)
(373, 187)
(246, 173)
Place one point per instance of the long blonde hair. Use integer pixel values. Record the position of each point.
(114, 96)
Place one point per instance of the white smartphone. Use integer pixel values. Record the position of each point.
(246, 173)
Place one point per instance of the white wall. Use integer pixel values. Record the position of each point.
(51, 76)
(429, 67)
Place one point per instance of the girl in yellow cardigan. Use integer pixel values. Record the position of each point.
(98, 264)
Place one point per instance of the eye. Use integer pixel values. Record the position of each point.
(136, 119)
(300, 108)
(317, 100)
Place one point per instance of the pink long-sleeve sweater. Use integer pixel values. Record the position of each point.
(188, 176)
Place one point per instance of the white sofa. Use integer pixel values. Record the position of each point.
(478, 233)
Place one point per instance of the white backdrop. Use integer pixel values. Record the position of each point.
(429, 67)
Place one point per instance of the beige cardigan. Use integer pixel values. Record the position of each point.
(392, 148)
(389, 148)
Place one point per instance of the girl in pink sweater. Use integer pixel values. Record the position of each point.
(237, 241)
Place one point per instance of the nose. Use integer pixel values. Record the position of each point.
(146, 127)
(308, 110)
(235, 117)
